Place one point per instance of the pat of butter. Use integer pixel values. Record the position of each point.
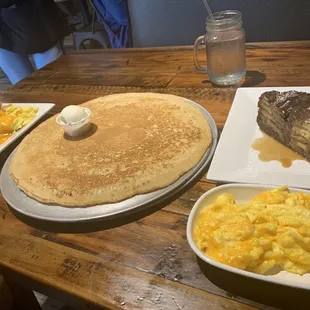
(74, 120)
(72, 114)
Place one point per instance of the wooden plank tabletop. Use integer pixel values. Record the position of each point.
(146, 264)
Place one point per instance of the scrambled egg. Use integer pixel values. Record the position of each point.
(13, 118)
(272, 230)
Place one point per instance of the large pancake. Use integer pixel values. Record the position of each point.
(140, 142)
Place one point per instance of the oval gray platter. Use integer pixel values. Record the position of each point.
(32, 208)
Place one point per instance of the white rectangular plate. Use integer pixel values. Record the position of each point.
(43, 109)
(241, 193)
(235, 160)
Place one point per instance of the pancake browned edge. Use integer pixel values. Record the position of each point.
(141, 142)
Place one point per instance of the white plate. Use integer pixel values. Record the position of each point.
(235, 160)
(241, 193)
(43, 109)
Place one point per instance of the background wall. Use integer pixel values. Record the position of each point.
(179, 22)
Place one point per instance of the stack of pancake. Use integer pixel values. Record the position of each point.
(286, 117)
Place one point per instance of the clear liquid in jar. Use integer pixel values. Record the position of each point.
(226, 58)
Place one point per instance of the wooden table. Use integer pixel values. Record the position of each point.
(146, 264)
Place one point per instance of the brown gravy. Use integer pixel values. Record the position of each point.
(269, 149)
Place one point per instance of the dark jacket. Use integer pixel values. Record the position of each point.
(31, 26)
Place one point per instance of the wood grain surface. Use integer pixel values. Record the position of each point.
(146, 264)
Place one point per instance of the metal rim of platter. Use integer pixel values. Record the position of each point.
(29, 207)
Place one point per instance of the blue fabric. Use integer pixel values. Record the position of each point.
(115, 17)
(17, 67)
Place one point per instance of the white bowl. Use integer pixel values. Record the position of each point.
(241, 193)
(77, 128)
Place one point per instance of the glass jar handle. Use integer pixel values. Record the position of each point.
(200, 40)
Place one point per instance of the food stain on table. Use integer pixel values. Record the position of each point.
(269, 149)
